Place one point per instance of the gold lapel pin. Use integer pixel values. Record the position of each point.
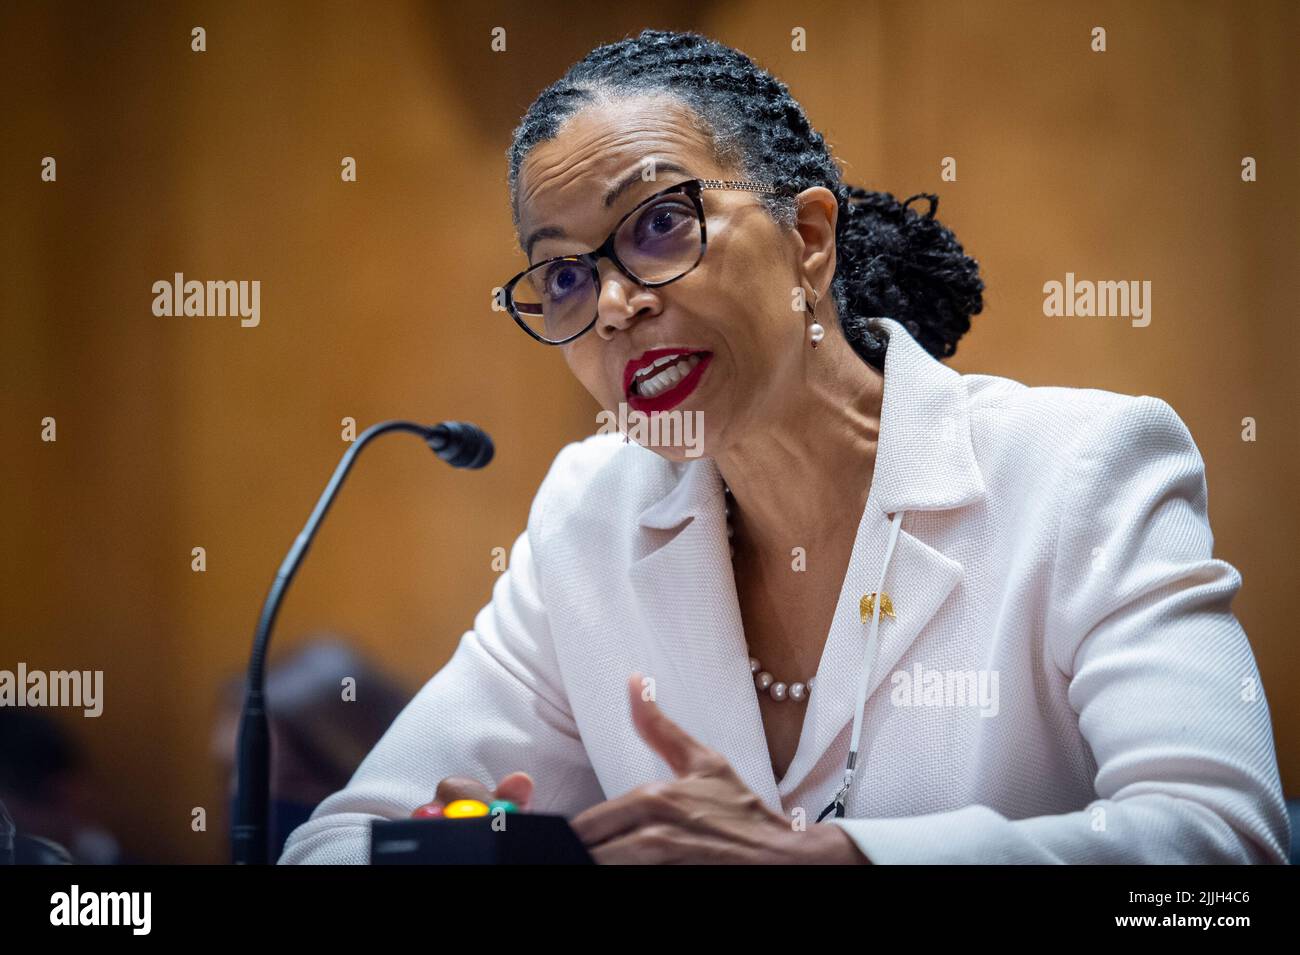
(867, 606)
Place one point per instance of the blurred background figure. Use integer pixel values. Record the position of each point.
(328, 707)
(49, 792)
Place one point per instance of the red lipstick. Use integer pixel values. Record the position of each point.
(674, 395)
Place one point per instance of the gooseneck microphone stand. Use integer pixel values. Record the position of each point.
(461, 445)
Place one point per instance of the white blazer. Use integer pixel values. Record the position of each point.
(1054, 547)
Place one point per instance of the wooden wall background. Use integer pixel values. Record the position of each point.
(175, 433)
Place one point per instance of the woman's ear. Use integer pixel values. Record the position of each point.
(816, 219)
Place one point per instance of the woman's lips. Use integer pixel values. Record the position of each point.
(674, 395)
(653, 356)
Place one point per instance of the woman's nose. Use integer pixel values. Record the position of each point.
(621, 303)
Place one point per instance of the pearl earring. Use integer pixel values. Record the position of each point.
(815, 332)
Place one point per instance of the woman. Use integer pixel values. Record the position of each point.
(956, 618)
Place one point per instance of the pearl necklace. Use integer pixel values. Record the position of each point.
(764, 682)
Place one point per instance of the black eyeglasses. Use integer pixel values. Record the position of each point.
(659, 241)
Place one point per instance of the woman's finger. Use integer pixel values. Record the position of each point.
(630, 848)
(461, 787)
(518, 789)
(681, 751)
(622, 814)
(664, 844)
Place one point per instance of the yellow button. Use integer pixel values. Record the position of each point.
(464, 809)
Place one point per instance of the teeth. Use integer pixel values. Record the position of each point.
(666, 378)
(658, 363)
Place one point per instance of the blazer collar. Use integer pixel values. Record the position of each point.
(687, 597)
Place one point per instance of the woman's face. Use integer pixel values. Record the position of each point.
(734, 310)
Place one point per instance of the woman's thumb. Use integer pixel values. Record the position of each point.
(518, 788)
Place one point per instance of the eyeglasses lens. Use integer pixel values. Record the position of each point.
(658, 243)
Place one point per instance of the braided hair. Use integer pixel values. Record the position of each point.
(891, 260)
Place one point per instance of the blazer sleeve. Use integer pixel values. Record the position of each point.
(496, 707)
(1161, 677)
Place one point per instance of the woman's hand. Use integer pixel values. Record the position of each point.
(516, 788)
(705, 815)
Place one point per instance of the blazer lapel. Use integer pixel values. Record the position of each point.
(686, 597)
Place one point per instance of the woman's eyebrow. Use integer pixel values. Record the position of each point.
(546, 232)
(555, 232)
(635, 177)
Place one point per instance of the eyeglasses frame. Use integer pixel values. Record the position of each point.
(692, 189)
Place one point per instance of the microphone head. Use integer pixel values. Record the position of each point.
(461, 444)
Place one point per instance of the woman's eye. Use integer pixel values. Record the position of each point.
(661, 221)
(561, 281)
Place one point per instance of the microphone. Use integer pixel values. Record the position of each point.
(460, 444)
